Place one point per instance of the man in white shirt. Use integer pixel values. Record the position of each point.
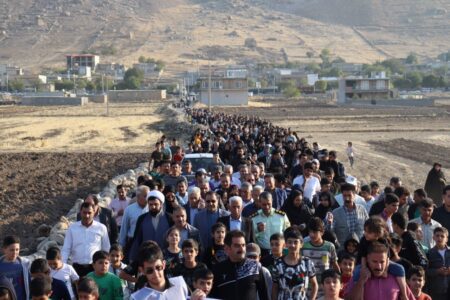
(310, 184)
(83, 239)
(427, 223)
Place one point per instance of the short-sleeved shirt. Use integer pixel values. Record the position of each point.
(68, 275)
(293, 281)
(109, 286)
(322, 256)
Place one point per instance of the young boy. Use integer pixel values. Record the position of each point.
(158, 286)
(350, 153)
(109, 285)
(116, 266)
(331, 285)
(7, 291)
(189, 264)
(41, 288)
(87, 289)
(40, 268)
(416, 280)
(438, 273)
(61, 271)
(216, 253)
(14, 267)
(276, 251)
(203, 283)
(346, 263)
(292, 273)
(375, 229)
(321, 252)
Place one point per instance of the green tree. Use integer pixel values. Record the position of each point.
(332, 72)
(141, 59)
(412, 59)
(65, 84)
(321, 85)
(133, 79)
(81, 83)
(430, 81)
(415, 78)
(16, 85)
(325, 56)
(133, 83)
(309, 54)
(90, 86)
(402, 83)
(289, 89)
(395, 65)
(313, 67)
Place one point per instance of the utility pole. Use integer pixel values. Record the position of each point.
(209, 85)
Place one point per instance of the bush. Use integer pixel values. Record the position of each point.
(250, 43)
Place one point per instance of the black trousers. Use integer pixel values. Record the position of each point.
(82, 270)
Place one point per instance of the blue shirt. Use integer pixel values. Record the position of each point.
(14, 272)
(130, 216)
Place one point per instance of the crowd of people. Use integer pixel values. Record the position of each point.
(269, 216)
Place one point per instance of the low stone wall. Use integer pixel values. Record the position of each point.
(55, 235)
(136, 95)
(98, 98)
(54, 101)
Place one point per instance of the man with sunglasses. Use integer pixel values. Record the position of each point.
(158, 285)
(205, 219)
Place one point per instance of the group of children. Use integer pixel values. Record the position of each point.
(319, 262)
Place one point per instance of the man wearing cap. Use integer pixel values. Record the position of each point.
(151, 225)
(358, 199)
(350, 217)
(309, 183)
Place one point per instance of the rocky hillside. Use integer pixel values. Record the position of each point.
(36, 33)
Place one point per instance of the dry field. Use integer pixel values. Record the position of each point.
(388, 141)
(50, 156)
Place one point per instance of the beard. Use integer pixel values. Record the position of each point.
(154, 213)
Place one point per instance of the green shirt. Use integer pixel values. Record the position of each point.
(109, 286)
(276, 222)
(322, 256)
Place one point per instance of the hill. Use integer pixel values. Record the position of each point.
(184, 33)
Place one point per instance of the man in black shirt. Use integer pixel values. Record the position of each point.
(238, 278)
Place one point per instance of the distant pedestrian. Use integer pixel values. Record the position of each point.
(350, 153)
(435, 183)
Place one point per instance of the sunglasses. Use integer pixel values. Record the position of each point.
(252, 256)
(150, 271)
(210, 201)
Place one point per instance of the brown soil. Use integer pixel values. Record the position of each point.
(415, 150)
(38, 188)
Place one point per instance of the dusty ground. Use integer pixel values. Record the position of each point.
(52, 156)
(388, 141)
